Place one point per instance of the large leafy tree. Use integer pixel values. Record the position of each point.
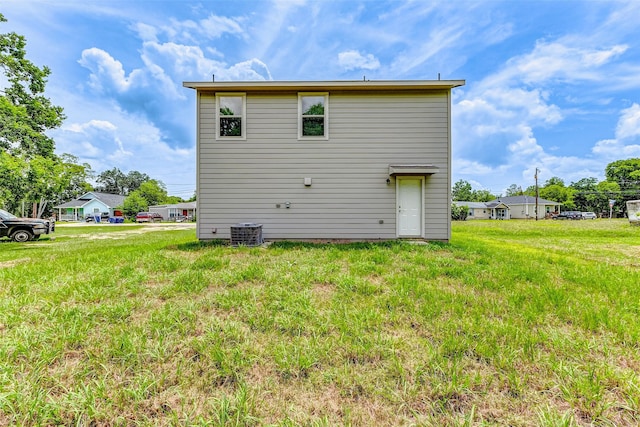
(78, 176)
(12, 179)
(135, 179)
(554, 180)
(558, 193)
(483, 196)
(134, 203)
(586, 196)
(462, 191)
(31, 174)
(115, 181)
(25, 113)
(151, 192)
(608, 190)
(625, 173)
(112, 181)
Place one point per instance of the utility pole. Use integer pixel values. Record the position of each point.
(536, 177)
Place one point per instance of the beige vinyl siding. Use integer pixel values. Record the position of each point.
(243, 181)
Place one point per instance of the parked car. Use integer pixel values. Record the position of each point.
(569, 215)
(24, 229)
(148, 217)
(589, 215)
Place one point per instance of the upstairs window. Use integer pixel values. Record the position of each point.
(231, 111)
(314, 108)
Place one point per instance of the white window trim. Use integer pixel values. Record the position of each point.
(325, 137)
(242, 137)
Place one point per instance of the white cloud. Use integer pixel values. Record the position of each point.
(435, 45)
(129, 143)
(550, 61)
(146, 32)
(98, 125)
(465, 166)
(215, 26)
(613, 149)
(106, 72)
(253, 69)
(193, 31)
(527, 145)
(502, 112)
(352, 60)
(629, 123)
(627, 130)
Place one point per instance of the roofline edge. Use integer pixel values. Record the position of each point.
(272, 85)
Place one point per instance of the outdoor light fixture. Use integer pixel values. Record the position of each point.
(388, 181)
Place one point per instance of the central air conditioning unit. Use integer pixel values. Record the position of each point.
(246, 234)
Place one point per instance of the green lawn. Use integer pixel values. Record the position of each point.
(512, 323)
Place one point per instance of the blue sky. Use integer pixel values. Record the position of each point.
(551, 84)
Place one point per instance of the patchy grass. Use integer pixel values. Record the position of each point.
(512, 323)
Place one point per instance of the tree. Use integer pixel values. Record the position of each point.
(114, 181)
(558, 193)
(134, 180)
(462, 191)
(153, 192)
(42, 180)
(483, 196)
(586, 195)
(554, 180)
(459, 213)
(12, 180)
(25, 113)
(30, 172)
(134, 203)
(173, 200)
(607, 191)
(625, 173)
(313, 120)
(514, 190)
(78, 175)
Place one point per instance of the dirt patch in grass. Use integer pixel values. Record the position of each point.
(13, 262)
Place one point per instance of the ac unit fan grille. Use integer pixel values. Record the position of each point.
(246, 234)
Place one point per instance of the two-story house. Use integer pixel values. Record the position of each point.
(325, 160)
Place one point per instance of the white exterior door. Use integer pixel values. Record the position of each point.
(409, 202)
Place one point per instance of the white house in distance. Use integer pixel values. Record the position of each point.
(91, 203)
(352, 160)
(511, 207)
(176, 211)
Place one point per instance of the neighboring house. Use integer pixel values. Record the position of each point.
(512, 207)
(353, 160)
(477, 210)
(499, 210)
(524, 207)
(91, 203)
(186, 210)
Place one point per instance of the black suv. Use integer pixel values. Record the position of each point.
(24, 229)
(569, 215)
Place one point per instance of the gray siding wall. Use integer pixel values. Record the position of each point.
(245, 180)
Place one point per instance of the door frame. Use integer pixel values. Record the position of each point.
(399, 179)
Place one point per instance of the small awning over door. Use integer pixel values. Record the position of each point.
(412, 169)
